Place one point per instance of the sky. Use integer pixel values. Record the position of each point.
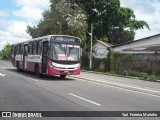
(16, 15)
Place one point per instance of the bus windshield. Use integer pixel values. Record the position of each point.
(67, 52)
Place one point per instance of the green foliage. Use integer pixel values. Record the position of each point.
(119, 35)
(114, 55)
(5, 53)
(111, 20)
(108, 17)
(0, 54)
(60, 19)
(128, 57)
(143, 75)
(140, 75)
(96, 64)
(115, 72)
(52, 23)
(104, 39)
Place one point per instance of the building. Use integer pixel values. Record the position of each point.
(146, 45)
(101, 49)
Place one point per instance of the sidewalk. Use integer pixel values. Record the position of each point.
(116, 75)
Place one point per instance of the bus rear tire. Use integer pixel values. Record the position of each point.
(38, 74)
(62, 76)
(18, 69)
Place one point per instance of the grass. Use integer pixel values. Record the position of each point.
(143, 75)
(132, 73)
(140, 75)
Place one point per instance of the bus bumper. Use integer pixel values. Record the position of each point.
(52, 71)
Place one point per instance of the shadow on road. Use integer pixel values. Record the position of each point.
(44, 77)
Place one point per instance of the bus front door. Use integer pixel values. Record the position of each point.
(25, 57)
(44, 57)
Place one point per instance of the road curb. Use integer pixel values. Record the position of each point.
(119, 75)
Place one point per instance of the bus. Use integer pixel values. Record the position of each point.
(49, 55)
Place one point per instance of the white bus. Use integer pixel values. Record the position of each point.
(50, 55)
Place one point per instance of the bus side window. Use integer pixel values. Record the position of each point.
(12, 50)
(17, 49)
(26, 50)
(35, 48)
(20, 52)
(39, 47)
(22, 49)
(30, 48)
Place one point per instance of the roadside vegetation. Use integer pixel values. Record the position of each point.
(111, 22)
(137, 74)
(5, 53)
(117, 64)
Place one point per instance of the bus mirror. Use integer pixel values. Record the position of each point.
(81, 52)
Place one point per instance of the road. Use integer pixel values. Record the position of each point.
(22, 91)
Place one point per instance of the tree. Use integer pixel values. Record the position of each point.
(5, 53)
(60, 19)
(111, 20)
(119, 35)
(52, 23)
(74, 17)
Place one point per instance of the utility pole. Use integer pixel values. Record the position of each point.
(91, 34)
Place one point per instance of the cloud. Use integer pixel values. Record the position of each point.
(145, 10)
(12, 32)
(4, 13)
(33, 3)
(30, 13)
(31, 9)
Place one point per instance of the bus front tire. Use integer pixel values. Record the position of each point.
(38, 74)
(62, 76)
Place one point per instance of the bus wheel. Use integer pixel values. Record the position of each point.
(62, 76)
(38, 74)
(18, 69)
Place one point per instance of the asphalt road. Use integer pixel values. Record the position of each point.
(22, 91)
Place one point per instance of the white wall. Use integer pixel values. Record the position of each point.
(99, 50)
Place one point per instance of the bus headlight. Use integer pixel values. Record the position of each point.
(79, 66)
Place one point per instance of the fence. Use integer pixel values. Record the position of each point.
(141, 62)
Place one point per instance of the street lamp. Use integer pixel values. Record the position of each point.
(90, 57)
(91, 34)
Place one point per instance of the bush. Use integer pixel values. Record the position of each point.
(143, 75)
(5, 53)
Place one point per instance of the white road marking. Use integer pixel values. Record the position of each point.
(123, 85)
(2, 74)
(124, 89)
(84, 99)
(19, 75)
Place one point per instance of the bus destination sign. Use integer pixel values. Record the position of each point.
(64, 39)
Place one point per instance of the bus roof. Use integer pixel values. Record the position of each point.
(43, 37)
